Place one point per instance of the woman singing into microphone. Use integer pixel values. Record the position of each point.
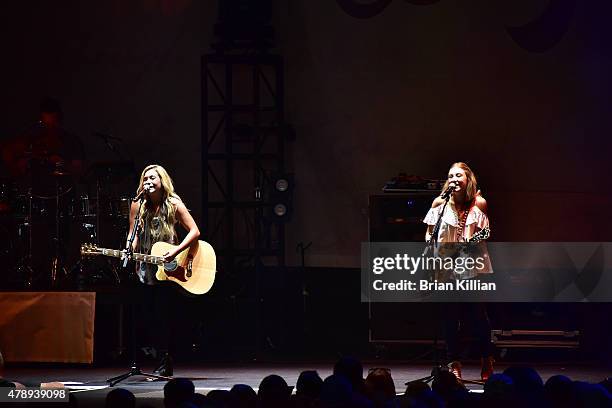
(463, 217)
(161, 211)
(468, 208)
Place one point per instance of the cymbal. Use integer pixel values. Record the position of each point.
(60, 173)
(111, 169)
(34, 154)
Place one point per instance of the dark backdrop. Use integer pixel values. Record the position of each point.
(519, 89)
(412, 88)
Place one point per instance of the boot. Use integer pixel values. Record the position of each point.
(455, 368)
(486, 370)
(165, 366)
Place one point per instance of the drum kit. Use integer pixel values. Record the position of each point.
(47, 212)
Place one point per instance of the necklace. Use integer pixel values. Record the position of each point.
(461, 227)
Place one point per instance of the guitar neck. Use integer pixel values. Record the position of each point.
(151, 259)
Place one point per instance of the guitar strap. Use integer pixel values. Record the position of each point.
(462, 221)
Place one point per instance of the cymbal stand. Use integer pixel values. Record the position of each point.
(57, 262)
(98, 209)
(98, 199)
(24, 267)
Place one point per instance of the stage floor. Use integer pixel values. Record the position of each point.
(91, 387)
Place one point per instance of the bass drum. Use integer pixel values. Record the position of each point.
(38, 207)
(10, 252)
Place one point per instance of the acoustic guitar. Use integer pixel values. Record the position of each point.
(193, 268)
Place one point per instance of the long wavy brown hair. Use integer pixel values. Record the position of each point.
(167, 212)
(472, 185)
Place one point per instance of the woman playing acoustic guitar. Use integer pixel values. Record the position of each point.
(161, 211)
(463, 219)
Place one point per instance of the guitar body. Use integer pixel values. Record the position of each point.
(458, 250)
(193, 268)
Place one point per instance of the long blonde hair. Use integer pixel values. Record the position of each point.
(167, 212)
(472, 185)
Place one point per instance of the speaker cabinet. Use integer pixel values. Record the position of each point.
(398, 217)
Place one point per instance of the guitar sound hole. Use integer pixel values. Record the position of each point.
(170, 266)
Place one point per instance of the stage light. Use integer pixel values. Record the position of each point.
(282, 185)
(280, 210)
(281, 195)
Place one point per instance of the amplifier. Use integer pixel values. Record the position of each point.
(399, 217)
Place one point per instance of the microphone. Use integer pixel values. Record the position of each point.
(146, 189)
(449, 190)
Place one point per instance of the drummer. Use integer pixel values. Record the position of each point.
(46, 148)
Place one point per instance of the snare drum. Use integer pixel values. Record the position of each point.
(25, 203)
(85, 207)
(120, 208)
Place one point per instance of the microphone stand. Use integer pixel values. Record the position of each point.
(431, 244)
(433, 239)
(129, 253)
(129, 250)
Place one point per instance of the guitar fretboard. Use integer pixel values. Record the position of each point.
(151, 259)
(112, 252)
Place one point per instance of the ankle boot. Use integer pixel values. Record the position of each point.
(455, 368)
(165, 367)
(486, 364)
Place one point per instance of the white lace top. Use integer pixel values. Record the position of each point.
(476, 220)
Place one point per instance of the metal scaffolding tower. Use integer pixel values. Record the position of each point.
(243, 143)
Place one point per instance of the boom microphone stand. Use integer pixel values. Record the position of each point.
(430, 246)
(134, 369)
